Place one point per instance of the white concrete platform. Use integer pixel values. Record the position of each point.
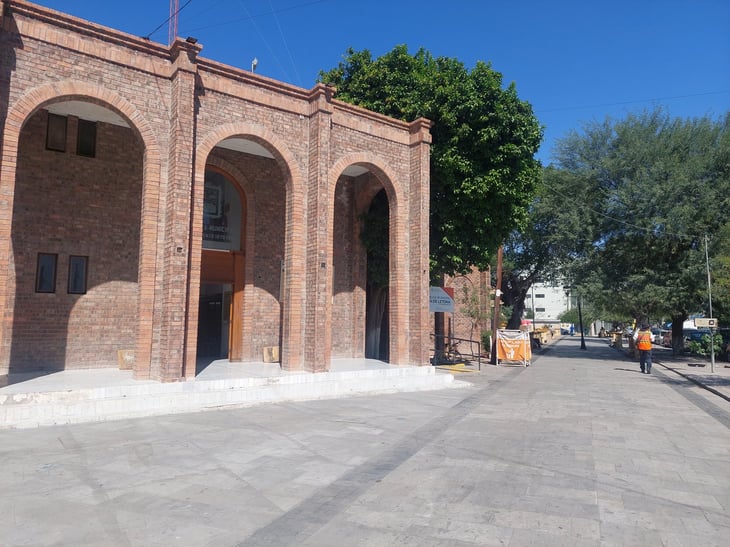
(93, 395)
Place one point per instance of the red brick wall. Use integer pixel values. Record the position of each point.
(73, 205)
(472, 305)
(143, 238)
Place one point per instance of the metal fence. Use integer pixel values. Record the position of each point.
(451, 350)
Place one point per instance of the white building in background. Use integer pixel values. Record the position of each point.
(547, 303)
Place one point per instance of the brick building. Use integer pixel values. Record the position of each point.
(159, 203)
(473, 308)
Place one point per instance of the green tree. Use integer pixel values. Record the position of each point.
(540, 251)
(721, 275)
(645, 191)
(483, 171)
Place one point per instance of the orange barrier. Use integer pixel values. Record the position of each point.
(513, 346)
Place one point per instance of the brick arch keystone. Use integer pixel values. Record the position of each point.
(21, 111)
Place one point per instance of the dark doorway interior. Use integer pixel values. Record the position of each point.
(213, 322)
(375, 236)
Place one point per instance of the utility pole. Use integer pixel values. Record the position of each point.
(497, 301)
(172, 29)
(709, 298)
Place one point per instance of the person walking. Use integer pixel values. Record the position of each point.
(643, 337)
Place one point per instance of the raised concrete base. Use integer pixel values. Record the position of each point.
(69, 397)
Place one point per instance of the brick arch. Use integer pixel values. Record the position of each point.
(256, 133)
(384, 173)
(294, 239)
(398, 241)
(18, 114)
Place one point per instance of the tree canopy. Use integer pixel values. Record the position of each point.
(483, 171)
(632, 203)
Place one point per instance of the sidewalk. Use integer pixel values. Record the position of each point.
(579, 449)
(694, 368)
(94, 395)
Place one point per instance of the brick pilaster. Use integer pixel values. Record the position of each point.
(317, 331)
(177, 344)
(419, 261)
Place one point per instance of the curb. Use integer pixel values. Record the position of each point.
(698, 383)
(695, 381)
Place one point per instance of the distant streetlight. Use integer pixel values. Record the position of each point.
(580, 319)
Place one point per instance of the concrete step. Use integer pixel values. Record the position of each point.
(33, 408)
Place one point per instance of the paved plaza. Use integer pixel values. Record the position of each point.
(577, 449)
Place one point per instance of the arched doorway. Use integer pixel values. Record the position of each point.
(76, 237)
(221, 270)
(362, 266)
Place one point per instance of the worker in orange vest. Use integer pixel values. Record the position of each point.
(642, 337)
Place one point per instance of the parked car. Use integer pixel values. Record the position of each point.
(658, 335)
(695, 335)
(688, 335)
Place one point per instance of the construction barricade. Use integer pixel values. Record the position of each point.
(513, 346)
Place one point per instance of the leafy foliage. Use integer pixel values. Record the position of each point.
(540, 251)
(638, 195)
(483, 171)
(706, 345)
(374, 235)
(573, 316)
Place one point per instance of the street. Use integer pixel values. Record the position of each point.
(577, 449)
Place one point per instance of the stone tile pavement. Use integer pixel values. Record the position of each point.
(577, 449)
(698, 370)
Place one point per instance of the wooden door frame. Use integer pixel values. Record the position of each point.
(227, 267)
(230, 270)
(235, 340)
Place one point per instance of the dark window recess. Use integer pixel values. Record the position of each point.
(56, 133)
(539, 296)
(86, 139)
(539, 309)
(77, 273)
(45, 275)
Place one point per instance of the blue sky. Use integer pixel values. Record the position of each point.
(574, 61)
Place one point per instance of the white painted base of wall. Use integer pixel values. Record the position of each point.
(72, 398)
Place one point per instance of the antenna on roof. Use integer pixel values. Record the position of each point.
(172, 31)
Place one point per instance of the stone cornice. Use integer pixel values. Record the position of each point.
(81, 26)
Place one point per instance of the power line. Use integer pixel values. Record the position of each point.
(250, 17)
(609, 217)
(635, 101)
(262, 36)
(148, 36)
(286, 45)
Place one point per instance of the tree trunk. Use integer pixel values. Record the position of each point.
(518, 308)
(678, 334)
